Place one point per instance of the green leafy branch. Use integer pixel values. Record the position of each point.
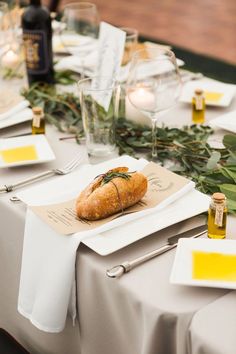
(185, 151)
(61, 110)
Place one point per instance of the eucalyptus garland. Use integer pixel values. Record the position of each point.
(186, 150)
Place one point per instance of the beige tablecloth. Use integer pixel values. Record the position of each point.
(213, 328)
(140, 313)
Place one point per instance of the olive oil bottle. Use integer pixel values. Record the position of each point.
(217, 216)
(198, 107)
(38, 121)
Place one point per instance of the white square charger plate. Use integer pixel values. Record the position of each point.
(119, 237)
(182, 268)
(110, 241)
(20, 117)
(42, 147)
(227, 90)
(225, 121)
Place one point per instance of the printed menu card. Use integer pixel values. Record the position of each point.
(163, 185)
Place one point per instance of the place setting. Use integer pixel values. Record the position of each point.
(110, 179)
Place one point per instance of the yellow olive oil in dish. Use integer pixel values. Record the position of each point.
(213, 266)
(213, 96)
(18, 154)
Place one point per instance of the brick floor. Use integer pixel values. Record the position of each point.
(203, 26)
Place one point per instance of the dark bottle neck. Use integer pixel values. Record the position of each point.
(35, 2)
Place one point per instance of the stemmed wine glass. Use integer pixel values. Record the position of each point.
(153, 85)
(80, 29)
(5, 26)
(9, 42)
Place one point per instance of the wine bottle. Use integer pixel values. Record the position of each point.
(37, 39)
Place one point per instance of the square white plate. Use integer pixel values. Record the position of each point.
(40, 143)
(110, 241)
(17, 118)
(228, 92)
(182, 267)
(225, 121)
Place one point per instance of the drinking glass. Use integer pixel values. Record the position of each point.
(5, 26)
(80, 29)
(99, 100)
(9, 44)
(155, 89)
(15, 11)
(131, 41)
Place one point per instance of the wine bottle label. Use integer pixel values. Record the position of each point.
(35, 46)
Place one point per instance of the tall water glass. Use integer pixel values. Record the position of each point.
(99, 100)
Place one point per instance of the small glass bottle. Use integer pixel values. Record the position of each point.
(217, 216)
(198, 107)
(38, 121)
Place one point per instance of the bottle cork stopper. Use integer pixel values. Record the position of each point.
(219, 197)
(37, 110)
(198, 92)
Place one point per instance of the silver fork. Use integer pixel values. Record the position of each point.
(57, 171)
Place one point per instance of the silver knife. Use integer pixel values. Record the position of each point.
(16, 135)
(172, 242)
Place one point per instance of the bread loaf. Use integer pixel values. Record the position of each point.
(110, 193)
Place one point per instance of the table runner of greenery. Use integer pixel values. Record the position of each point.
(186, 150)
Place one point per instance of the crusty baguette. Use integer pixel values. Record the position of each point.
(100, 200)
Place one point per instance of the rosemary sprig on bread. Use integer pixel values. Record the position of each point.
(110, 193)
(109, 176)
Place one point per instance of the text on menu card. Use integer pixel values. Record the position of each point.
(110, 54)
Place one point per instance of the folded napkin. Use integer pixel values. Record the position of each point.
(47, 275)
(74, 63)
(47, 284)
(70, 43)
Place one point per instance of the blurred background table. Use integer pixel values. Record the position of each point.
(204, 27)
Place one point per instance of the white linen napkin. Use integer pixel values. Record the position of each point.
(48, 261)
(74, 63)
(47, 275)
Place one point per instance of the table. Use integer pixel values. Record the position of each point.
(138, 313)
(213, 327)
